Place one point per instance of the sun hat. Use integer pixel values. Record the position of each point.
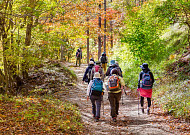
(98, 62)
(112, 62)
(91, 63)
(96, 75)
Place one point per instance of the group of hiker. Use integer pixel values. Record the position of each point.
(95, 75)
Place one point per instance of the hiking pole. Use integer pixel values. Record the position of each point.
(122, 99)
(103, 105)
(138, 101)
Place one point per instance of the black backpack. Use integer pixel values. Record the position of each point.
(89, 72)
(78, 54)
(146, 81)
(103, 59)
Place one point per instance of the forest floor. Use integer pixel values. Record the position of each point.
(128, 120)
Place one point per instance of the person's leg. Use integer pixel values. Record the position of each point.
(112, 104)
(142, 103)
(149, 104)
(79, 61)
(105, 66)
(76, 61)
(117, 99)
(98, 106)
(93, 105)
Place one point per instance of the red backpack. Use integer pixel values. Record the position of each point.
(96, 67)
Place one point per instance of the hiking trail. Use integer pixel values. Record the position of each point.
(128, 120)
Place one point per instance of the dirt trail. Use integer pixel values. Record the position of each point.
(128, 120)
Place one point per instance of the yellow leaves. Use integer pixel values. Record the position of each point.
(172, 56)
(2, 116)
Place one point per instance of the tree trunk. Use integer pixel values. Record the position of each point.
(99, 34)
(105, 25)
(25, 64)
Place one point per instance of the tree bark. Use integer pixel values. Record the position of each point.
(99, 34)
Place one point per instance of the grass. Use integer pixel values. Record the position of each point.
(38, 115)
(174, 98)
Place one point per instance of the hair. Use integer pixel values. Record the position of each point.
(114, 71)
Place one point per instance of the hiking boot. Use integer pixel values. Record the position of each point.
(114, 119)
(148, 111)
(97, 119)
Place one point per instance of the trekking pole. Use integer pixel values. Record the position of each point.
(138, 102)
(103, 105)
(122, 99)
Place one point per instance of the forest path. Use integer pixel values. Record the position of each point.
(128, 120)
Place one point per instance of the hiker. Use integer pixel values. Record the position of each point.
(95, 92)
(145, 83)
(97, 68)
(86, 77)
(78, 56)
(104, 60)
(112, 66)
(115, 87)
(91, 59)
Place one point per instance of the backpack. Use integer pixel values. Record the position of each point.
(89, 72)
(78, 54)
(113, 83)
(97, 86)
(103, 59)
(96, 68)
(146, 81)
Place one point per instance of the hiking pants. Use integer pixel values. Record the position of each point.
(114, 99)
(78, 59)
(104, 66)
(96, 105)
(142, 101)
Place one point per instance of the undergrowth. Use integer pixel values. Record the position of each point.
(38, 115)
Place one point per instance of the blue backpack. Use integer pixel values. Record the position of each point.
(146, 81)
(97, 87)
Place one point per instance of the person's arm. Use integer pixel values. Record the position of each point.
(88, 88)
(108, 72)
(152, 77)
(100, 58)
(85, 74)
(139, 79)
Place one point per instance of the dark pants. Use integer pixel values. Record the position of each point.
(96, 105)
(78, 59)
(114, 99)
(142, 101)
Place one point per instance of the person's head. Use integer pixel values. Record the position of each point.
(98, 63)
(104, 54)
(91, 63)
(144, 66)
(112, 62)
(96, 75)
(91, 59)
(114, 71)
(78, 50)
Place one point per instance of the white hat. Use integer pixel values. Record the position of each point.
(91, 62)
(96, 75)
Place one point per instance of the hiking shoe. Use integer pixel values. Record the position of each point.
(148, 111)
(97, 119)
(114, 119)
